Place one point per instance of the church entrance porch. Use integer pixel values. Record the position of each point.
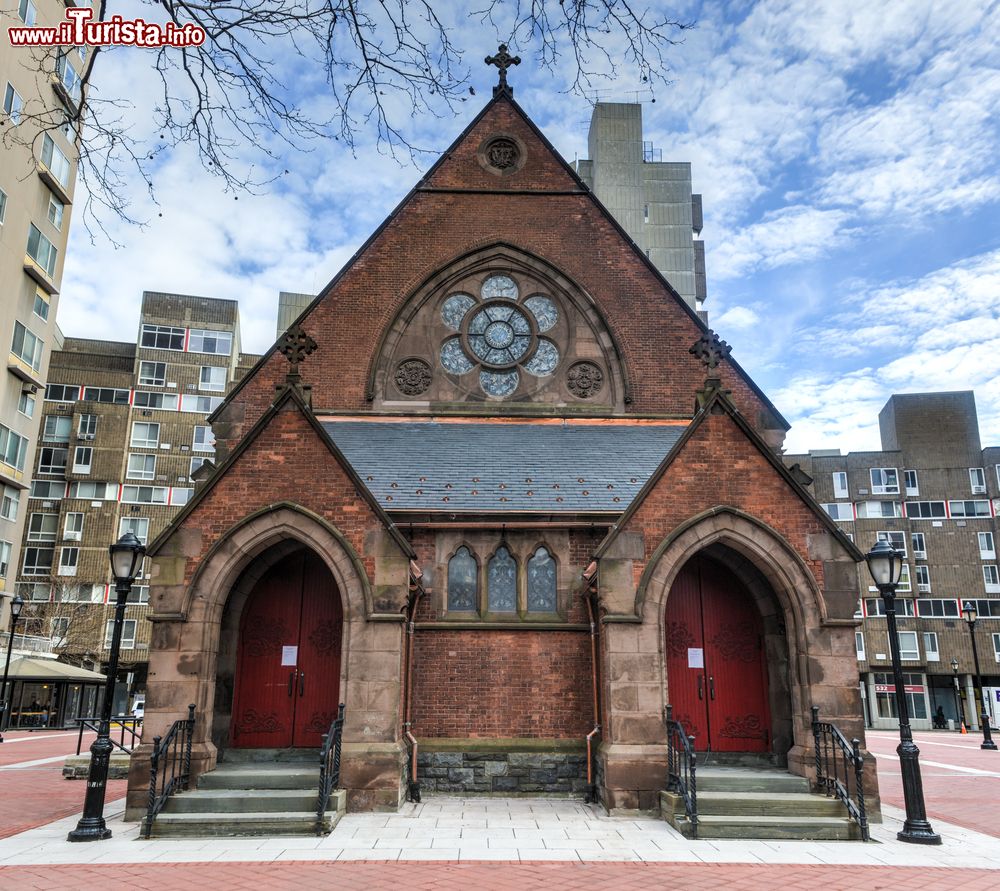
(716, 669)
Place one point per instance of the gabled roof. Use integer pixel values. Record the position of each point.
(291, 394)
(717, 402)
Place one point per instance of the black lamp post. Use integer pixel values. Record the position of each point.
(970, 614)
(886, 565)
(126, 560)
(16, 605)
(959, 716)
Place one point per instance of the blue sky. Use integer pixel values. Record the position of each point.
(847, 154)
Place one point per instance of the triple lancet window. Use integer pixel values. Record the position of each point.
(505, 585)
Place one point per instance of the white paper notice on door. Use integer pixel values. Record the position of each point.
(289, 655)
(696, 657)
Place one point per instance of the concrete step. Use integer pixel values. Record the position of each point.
(817, 828)
(733, 779)
(270, 756)
(261, 776)
(253, 823)
(241, 801)
(769, 804)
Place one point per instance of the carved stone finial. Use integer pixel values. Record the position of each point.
(295, 345)
(503, 60)
(710, 350)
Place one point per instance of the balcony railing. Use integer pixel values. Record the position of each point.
(26, 643)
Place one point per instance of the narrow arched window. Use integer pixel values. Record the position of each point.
(501, 582)
(541, 582)
(463, 581)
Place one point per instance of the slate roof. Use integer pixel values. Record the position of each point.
(503, 467)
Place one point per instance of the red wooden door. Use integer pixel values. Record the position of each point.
(716, 673)
(288, 659)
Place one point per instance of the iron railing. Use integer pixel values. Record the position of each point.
(840, 769)
(126, 723)
(169, 766)
(329, 768)
(682, 765)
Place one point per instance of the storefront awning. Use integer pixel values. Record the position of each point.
(29, 668)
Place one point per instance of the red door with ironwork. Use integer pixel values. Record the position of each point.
(288, 659)
(716, 670)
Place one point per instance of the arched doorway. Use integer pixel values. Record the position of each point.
(717, 673)
(287, 682)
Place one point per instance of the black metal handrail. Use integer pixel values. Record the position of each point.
(169, 766)
(682, 765)
(840, 769)
(128, 724)
(329, 768)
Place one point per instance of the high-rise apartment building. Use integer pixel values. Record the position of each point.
(123, 431)
(932, 492)
(39, 88)
(650, 198)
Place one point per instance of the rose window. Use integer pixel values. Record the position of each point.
(499, 335)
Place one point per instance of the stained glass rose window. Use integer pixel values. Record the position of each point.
(499, 335)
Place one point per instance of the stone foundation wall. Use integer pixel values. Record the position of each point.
(502, 773)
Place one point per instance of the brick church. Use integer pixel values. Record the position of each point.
(503, 494)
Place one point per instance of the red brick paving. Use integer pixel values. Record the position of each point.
(415, 876)
(969, 800)
(34, 796)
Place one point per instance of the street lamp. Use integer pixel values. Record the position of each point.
(126, 560)
(886, 565)
(970, 614)
(16, 605)
(959, 716)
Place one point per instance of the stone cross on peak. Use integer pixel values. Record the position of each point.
(503, 60)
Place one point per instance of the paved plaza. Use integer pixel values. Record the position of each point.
(501, 843)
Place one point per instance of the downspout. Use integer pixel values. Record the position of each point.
(416, 590)
(590, 577)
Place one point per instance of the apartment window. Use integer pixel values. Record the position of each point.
(859, 645)
(162, 337)
(128, 634)
(931, 652)
(27, 13)
(220, 343)
(991, 578)
(840, 489)
(842, 512)
(937, 608)
(926, 510)
(987, 609)
(3, 206)
(57, 428)
(911, 483)
(919, 544)
(73, 593)
(987, 550)
(51, 490)
(26, 404)
(73, 527)
(62, 392)
(55, 211)
(94, 491)
(13, 448)
(5, 548)
(908, 651)
(13, 103)
(904, 579)
(37, 592)
(645, 213)
(923, 575)
(875, 606)
(83, 456)
(10, 499)
(885, 481)
(196, 462)
(145, 435)
(202, 404)
(38, 561)
(52, 460)
(145, 494)
(138, 526)
(896, 539)
(141, 467)
(59, 630)
(27, 346)
(968, 509)
(203, 440)
(41, 250)
(138, 594)
(213, 377)
(180, 495)
(109, 395)
(41, 306)
(153, 374)
(68, 560)
(878, 509)
(68, 76)
(86, 427)
(57, 163)
(43, 527)
(977, 480)
(166, 401)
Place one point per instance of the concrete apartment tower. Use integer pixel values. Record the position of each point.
(40, 91)
(650, 198)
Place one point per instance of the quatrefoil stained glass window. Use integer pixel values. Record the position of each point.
(499, 335)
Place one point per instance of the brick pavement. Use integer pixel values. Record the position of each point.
(962, 797)
(34, 796)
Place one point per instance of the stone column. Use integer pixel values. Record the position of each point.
(971, 704)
